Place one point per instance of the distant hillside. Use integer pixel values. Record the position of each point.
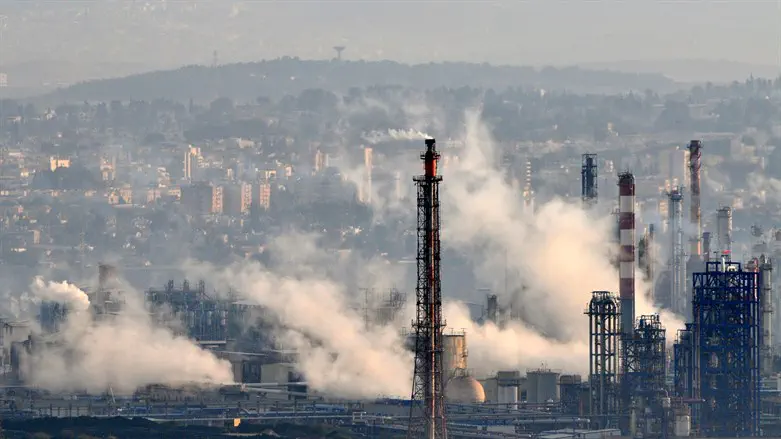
(276, 78)
(692, 70)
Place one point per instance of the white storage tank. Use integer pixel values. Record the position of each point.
(683, 426)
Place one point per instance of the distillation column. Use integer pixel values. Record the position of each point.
(626, 227)
(766, 304)
(706, 247)
(724, 230)
(589, 175)
(427, 406)
(678, 300)
(647, 259)
(695, 159)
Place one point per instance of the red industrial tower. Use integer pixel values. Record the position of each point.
(427, 408)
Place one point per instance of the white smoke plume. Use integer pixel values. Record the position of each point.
(61, 292)
(121, 352)
(514, 346)
(375, 137)
(554, 257)
(337, 353)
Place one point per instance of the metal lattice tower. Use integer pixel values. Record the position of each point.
(589, 174)
(427, 408)
(678, 302)
(727, 356)
(604, 335)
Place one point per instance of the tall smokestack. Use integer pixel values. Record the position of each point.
(706, 246)
(766, 304)
(724, 229)
(626, 269)
(650, 258)
(695, 157)
(589, 176)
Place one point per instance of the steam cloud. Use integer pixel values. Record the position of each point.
(62, 292)
(375, 137)
(337, 353)
(555, 257)
(121, 353)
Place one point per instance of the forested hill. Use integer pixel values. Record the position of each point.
(284, 76)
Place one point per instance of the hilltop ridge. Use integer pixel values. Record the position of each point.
(283, 76)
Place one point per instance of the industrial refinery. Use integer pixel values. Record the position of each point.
(715, 375)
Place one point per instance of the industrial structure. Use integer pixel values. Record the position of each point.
(718, 357)
(766, 300)
(626, 227)
(645, 374)
(695, 262)
(604, 339)
(650, 260)
(195, 314)
(589, 176)
(695, 159)
(105, 300)
(427, 407)
(724, 229)
(677, 264)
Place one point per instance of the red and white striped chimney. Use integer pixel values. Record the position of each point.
(626, 258)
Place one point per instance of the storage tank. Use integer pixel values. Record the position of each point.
(683, 426)
(531, 387)
(454, 353)
(508, 395)
(542, 386)
(508, 387)
(465, 390)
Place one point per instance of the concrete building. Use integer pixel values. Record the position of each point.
(192, 158)
(202, 199)
(237, 198)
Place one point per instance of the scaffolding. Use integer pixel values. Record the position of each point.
(604, 336)
(589, 180)
(727, 360)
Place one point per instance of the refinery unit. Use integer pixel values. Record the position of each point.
(715, 377)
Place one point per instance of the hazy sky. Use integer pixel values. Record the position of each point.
(159, 32)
